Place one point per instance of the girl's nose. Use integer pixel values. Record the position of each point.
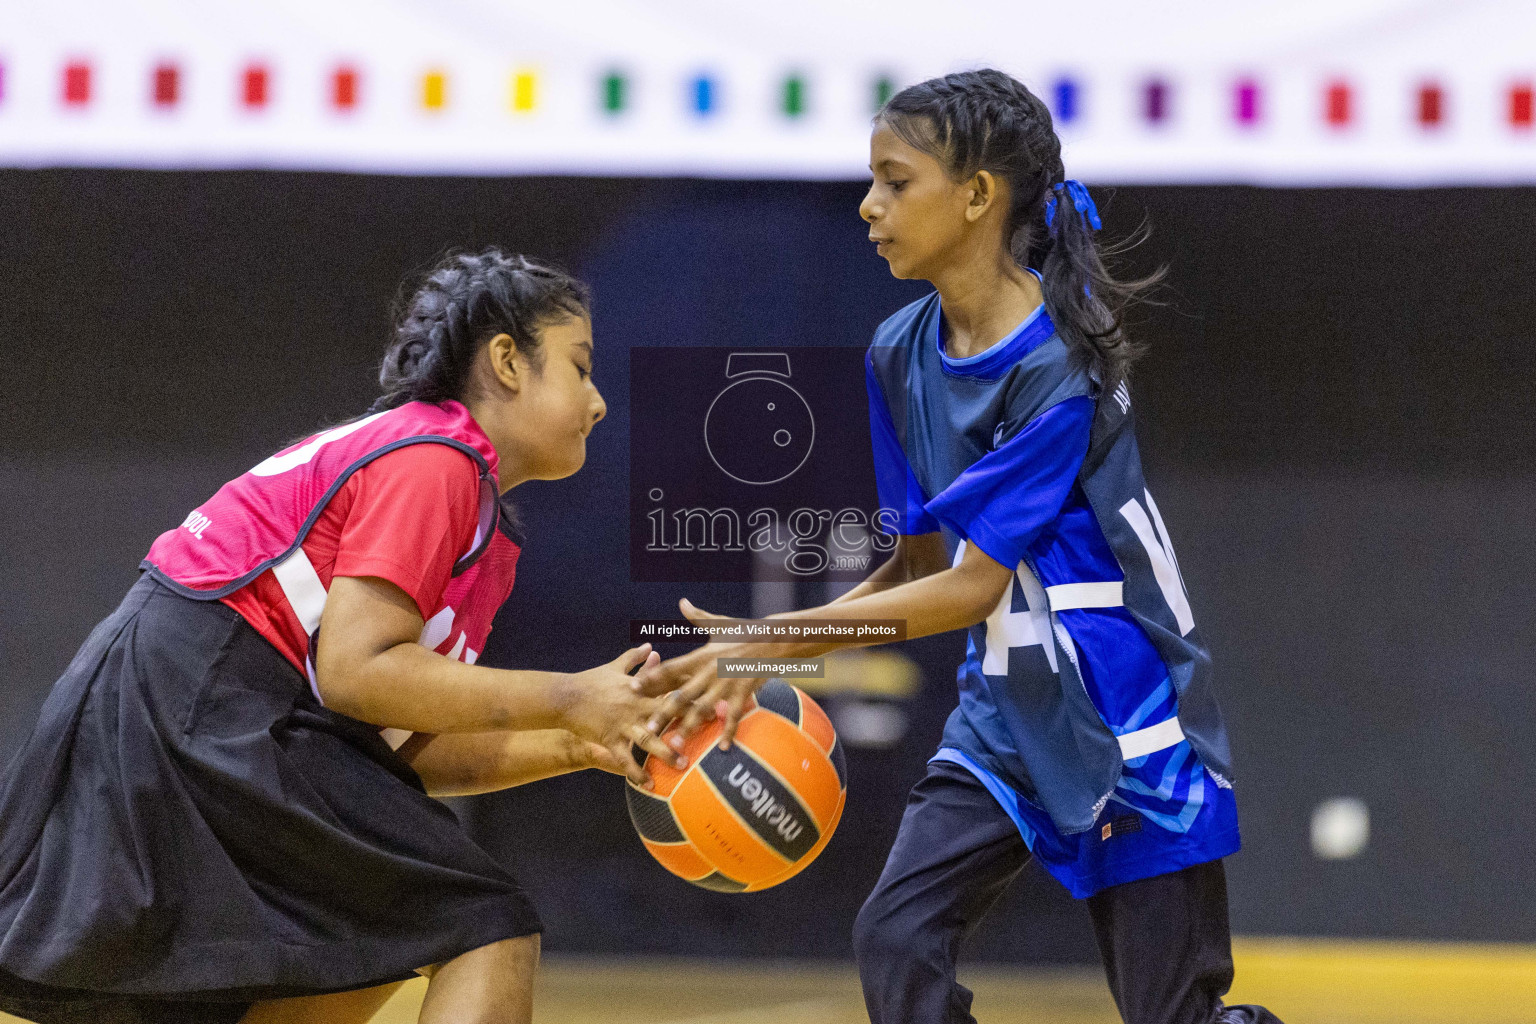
(867, 209)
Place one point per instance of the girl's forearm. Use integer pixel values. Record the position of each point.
(409, 687)
(469, 763)
(952, 599)
(890, 573)
(369, 666)
(911, 585)
(915, 556)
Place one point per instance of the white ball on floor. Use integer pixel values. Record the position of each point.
(1340, 828)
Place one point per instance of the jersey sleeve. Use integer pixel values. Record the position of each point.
(894, 480)
(1006, 497)
(413, 515)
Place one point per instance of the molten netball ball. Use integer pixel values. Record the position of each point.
(744, 819)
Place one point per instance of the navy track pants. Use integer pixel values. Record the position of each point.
(1165, 942)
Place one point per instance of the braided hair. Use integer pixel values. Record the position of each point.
(987, 120)
(460, 304)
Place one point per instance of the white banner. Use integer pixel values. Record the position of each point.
(1295, 92)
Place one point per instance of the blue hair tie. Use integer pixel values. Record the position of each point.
(1082, 202)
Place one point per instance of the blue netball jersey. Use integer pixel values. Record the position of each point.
(1085, 698)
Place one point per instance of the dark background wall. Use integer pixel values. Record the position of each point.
(1337, 413)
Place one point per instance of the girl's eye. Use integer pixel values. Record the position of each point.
(896, 186)
(585, 373)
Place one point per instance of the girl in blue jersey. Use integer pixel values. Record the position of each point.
(1087, 734)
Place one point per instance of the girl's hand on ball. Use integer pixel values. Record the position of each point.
(594, 755)
(728, 699)
(607, 711)
(704, 695)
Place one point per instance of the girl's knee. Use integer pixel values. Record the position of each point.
(893, 938)
(489, 985)
(522, 951)
(878, 932)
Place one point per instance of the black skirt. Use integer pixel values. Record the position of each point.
(189, 830)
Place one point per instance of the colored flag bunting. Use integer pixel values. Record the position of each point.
(1099, 111)
(1520, 103)
(1338, 104)
(1246, 105)
(434, 90)
(344, 88)
(884, 90)
(344, 84)
(1155, 101)
(1064, 92)
(254, 86)
(703, 92)
(615, 92)
(77, 83)
(794, 96)
(166, 85)
(524, 91)
(1431, 105)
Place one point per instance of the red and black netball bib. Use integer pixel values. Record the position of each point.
(258, 523)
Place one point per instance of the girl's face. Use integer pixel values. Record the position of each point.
(558, 404)
(916, 213)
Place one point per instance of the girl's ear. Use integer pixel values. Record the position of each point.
(502, 351)
(983, 189)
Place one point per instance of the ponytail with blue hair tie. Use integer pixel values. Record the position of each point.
(1082, 202)
(990, 121)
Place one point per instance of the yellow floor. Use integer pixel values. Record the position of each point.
(1304, 981)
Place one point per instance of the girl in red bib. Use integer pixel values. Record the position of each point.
(225, 812)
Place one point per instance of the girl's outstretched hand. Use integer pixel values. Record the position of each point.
(695, 691)
(605, 709)
(659, 679)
